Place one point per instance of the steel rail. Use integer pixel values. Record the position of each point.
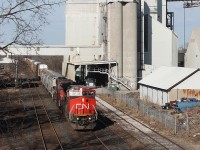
(165, 138)
(38, 122)
(101, 141)
(44, 108)
(111, 129)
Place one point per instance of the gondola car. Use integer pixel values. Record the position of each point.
(80, 109)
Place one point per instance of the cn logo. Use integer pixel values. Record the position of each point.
(82, 106)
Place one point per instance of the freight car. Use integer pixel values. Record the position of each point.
(36, 67)
(56, 84)
(80, 109)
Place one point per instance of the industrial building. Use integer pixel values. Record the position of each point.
(6, 65)
(167, 84)
(121, 40)
(192, 55)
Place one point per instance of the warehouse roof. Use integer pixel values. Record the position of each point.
(6, 60)
(92, 62)
(167, 78)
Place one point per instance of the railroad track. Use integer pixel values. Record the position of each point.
(105, 137)
(11, 128)
(44, 123)
(151, 138)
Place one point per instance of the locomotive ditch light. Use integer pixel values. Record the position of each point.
(89, 118)
(77, 118)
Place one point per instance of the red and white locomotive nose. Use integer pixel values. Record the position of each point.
(81, 108)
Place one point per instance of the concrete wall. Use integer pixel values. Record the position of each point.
(130, 43)
(164, 46)
(162, 49)
(156, 9)
(192, 55)
(115, 34)
(82, 23)
(54, 50)
(86, 53)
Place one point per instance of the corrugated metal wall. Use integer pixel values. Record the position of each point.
(154, 95)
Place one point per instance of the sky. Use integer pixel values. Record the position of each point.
(192, 20)
(54, 33)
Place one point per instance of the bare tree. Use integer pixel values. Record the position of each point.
(22, 20)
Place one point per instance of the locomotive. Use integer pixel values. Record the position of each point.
(81, 107)
(77, 102)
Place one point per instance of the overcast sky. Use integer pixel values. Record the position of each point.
(54, 33)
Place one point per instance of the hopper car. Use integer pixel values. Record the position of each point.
(36, 67)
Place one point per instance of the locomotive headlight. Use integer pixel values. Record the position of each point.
(82, 99)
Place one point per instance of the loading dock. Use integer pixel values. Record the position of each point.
(102, 71)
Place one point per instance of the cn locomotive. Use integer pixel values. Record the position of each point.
(77, 102)
(81, 107)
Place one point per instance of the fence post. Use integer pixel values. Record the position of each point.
(165, 120)
(175, 124)
(187, 123)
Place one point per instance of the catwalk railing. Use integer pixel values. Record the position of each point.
(125, 82)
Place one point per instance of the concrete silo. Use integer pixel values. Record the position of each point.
(130, 43)
(115, 35)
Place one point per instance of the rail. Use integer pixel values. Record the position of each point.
(40, 124)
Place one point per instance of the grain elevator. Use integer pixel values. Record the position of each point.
(117, 40)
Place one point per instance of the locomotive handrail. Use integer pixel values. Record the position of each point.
(70, 112)
(96, 113)
(100, 70)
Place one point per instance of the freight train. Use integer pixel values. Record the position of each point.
(77, 102)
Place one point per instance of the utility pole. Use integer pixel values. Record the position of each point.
(16, 73)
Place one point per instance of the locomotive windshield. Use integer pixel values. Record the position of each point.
(79, 93)
(89, 94)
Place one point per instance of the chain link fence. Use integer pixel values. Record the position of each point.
(181, 123)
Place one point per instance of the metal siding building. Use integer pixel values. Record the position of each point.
(170, 83)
